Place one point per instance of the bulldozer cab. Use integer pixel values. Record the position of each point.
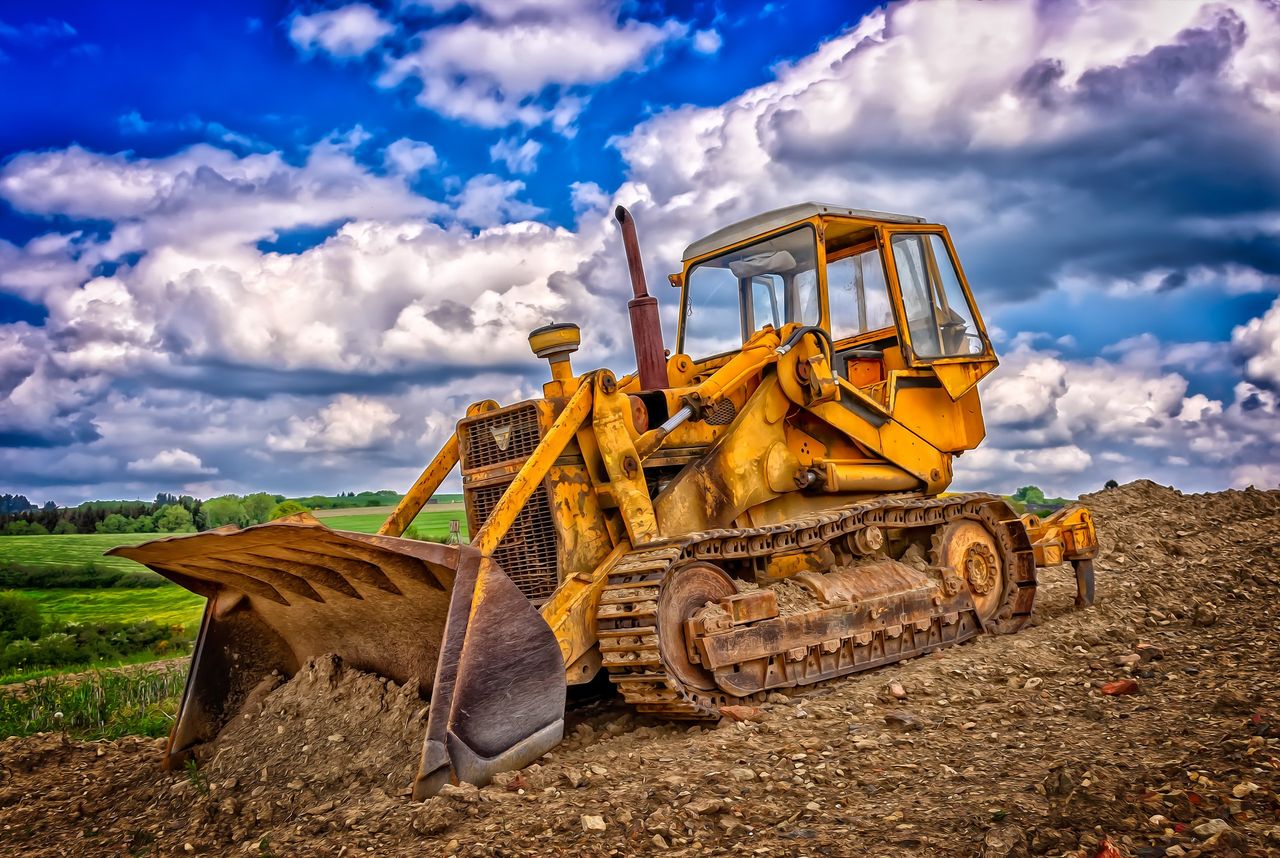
(887, 288)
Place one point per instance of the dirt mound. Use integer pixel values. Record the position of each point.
(1006, 746)
(329, 729)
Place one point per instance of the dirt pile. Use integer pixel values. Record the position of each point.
(1000, 747)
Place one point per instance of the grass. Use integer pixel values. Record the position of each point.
(432, 521)
(102, 664)
(73, 550)
(102, 705)
(169, 605)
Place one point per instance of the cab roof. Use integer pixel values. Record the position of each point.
(769, 221)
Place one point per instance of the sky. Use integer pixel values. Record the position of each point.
(276, 246)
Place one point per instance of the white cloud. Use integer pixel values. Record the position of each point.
(349, 31)
(528, 63)
(1258, 341)
(410, 157)
(520, 157)
(707, 41)
(170, 463)
(487, 200)
(347, 423)
(1023, 127)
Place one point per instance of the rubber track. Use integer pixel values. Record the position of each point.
(626, 619)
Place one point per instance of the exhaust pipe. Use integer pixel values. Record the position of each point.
(646, 326)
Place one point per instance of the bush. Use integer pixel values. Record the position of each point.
(21, 576)
(284, 508)
(19, 617)
(81, 643)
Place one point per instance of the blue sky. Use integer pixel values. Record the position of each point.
(281, 246)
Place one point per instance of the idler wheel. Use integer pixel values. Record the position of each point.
(686, 591)
(971, 550)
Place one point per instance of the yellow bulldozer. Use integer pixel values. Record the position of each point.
(761, 507)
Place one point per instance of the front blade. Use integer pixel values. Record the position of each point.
(499, 697)
(284, 592)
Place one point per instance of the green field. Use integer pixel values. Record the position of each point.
(432, 521)
(169, 605)
(72, 550)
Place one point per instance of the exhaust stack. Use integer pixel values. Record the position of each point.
(646, 327)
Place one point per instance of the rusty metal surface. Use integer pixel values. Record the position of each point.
(281, 593)
(498, 702)
(646, 325)
(821, 645)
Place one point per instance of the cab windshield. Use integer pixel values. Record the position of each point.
(731, 296)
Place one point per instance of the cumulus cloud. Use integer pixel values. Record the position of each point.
(170, 463)
(349, 31)
(1258, 342)
(410, 157)
(1076, 150)
(528, 62)
(520, 157)
(347, 423)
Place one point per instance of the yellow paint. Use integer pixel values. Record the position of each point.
(799, 438)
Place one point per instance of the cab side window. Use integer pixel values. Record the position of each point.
(858, 295)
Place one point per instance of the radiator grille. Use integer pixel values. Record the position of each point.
(494, 439)
(528, 552)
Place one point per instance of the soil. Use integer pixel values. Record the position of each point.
(1005, 746)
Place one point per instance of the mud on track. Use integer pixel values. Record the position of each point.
(1003, 746)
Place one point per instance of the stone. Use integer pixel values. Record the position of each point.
(742, 713)
(593, 823)
(902, 720)
(1148, 652)
(742, 774)
(896, 691)
(1205, 615)
(732, 825)
(1120, 686)
(1130, 660)
(704, 806)
(463, 792)
(1244, 789)
(659, 841)
(1208, 829)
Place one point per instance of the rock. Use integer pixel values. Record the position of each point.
(1208, 829)
(1175, 850)
(732, 825)
(1006, 840)
(1244, 789)
(1205, 615)
(742, 713)
(1033, 683)
(704, 806)
(658, 841)
(896, 691)
(742, 774)
(592, 823)
(776, 697)
(1120, 686)
(463, 792)
(902, 720)
(1130, 660)
(1148, 652)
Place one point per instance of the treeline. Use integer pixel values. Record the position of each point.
(168, 513)
(28, 641)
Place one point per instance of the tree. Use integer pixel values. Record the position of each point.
(115, 523)
(258, 507)
(227, 509)
(173, 518)
(64, 526)
(1029, 495)
(19, 617)
(14, 503)
(1112, 484)
(289, 507)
